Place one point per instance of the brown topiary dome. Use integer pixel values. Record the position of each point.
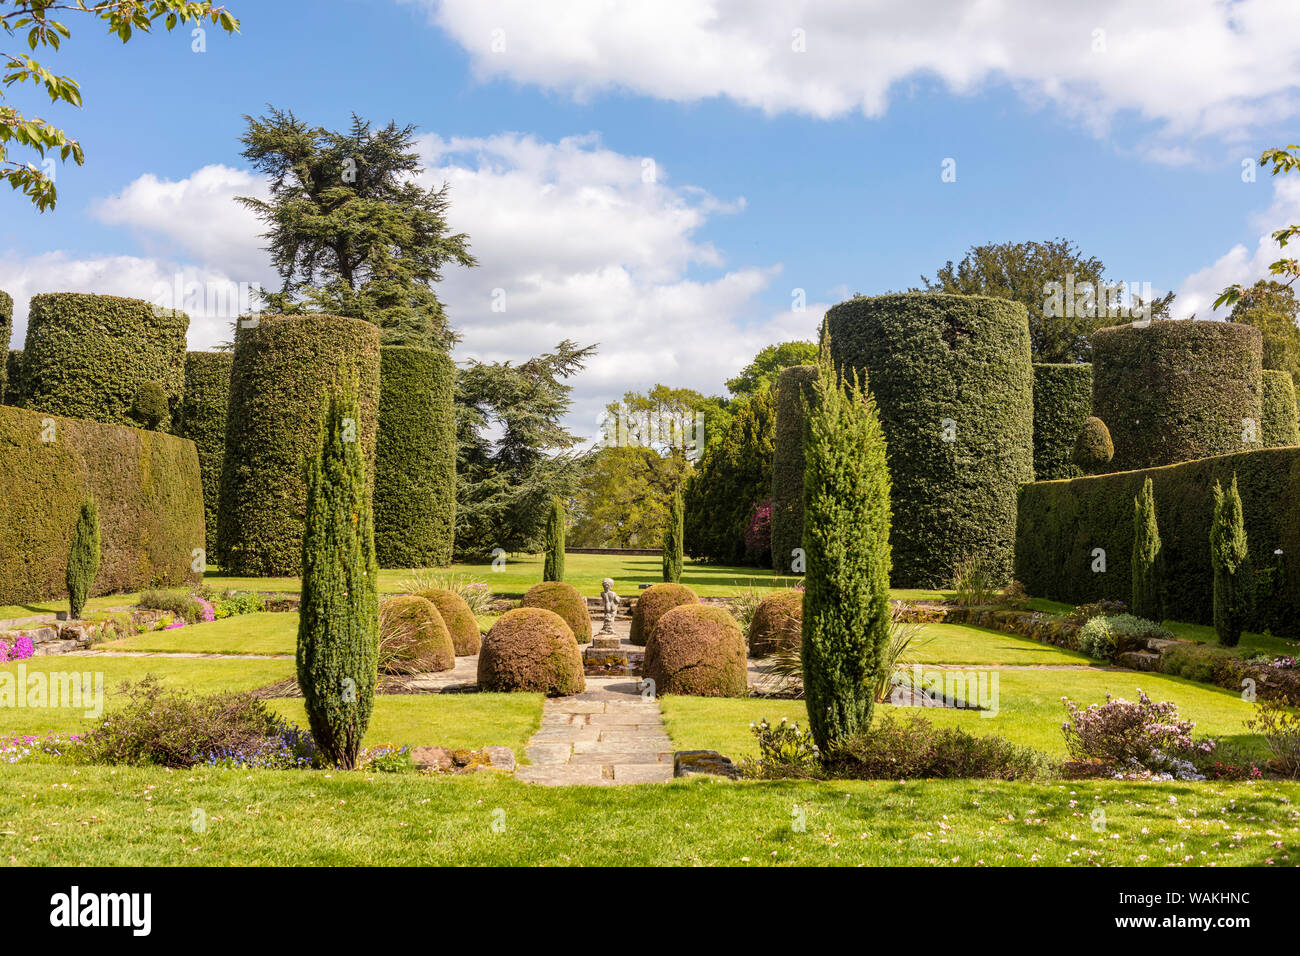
(531, 649)
(413, 637)
(460, 620)
(654, 602)
(697, 649)
(777, 622)
(565, 601)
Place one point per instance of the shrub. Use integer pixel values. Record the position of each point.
(653, 603)
(338, 618)
(553, 569)
(846, 536)
(1228, 555)
(531, 649)
(145, 484)
(87, 356)
(1133, 736)
(459, 618)
(777, 623)
(185, 605)
(1279, 725)
(149, 410)
(1093, 449)
(896, 749)
(282, 371)
(565, 601)
(415, 459)
(6, 333)
(758, 534)
(413, 638)
(952, 381)
(202, 419)
(1096, 639)
(673, 541)
(1062, 402)
(83, 557)
(794, 388)
(232, 603)
(1147, 563)
(1176, 391)
(1279, 419)
(697, 649)
(784, 752)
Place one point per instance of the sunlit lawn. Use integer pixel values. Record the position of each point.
(263, 633)
(962, 644)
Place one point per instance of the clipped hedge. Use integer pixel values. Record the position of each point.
(531, 649)
(460, 620)
(793, 389)
(565, 601)
(653, 603)
(415, 460)
(422, 642)
(1279, 418)
(147, 486)
(1176, 391)
(6, 333)
(697, 649)
(87, 356)
(953, 383)
(13, 386)
(202, 419)
(282, 370)
(1062, 402)
(1063, 523)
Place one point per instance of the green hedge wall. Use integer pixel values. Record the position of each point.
(86, 356)
(794, 386)
(415, 460)
(202, 419)
(1176, 391)
(147, 487)
(946, 367)
(283, 368)
(1062, 522)
(13, 389)
(1279, 418)
(6, 332)
(1062, 403)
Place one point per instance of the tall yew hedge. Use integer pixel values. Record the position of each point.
(1280, 420)
(794, 388)
(1062, 402)
(202, 419)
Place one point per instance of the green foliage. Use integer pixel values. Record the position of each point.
(1061, 525)
(565, 601)
(674, 535)
(953, 383)
(338, 624)
(697, 650)
(350, 229)
(1279, 418)
(1093, 448)
(553, 570)
(1271, 307)
(1148, 564)
(768, 365)
(13, 391)
(147, 487)
(149, 410)
(1228, 557)
(415, 459)
(282, 370)
(83, 557)
(1176, 391)
(794, 388)
(913, 748)
(6, 333)
(1062, 402)
(1284, 160)
(846, 538)
(202, 419)
(653, 603)
(87, 356)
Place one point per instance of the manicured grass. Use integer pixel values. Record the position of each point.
(1249, 646)
(121, 816)
(11, 611)
(963, 644)
(262, 633)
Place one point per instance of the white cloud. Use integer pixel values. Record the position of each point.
(1191, 67)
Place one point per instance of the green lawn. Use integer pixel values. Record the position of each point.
(262, 633)
(121, 816)
(1249, 646)
(11, 611)
(963, 644)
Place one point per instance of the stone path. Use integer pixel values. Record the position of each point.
(605, 735)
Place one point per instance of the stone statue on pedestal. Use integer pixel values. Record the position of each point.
(609, 606)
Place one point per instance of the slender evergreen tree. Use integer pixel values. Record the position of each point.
(83, 557)
(554, 568)
(1228, 556)
(338, 624)
(846, 538)
(673, 540)
(1148, 562)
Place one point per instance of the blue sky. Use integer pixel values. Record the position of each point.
(775, 168)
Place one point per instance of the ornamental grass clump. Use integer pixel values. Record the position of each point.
(1128, 737)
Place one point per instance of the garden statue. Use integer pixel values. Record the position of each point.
(609, 606)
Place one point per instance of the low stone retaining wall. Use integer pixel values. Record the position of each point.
(62, 637)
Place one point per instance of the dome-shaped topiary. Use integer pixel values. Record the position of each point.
(531, 649)
(565, 601)
(149, 410)
(653, 603)
(697, 649)
(776, 623)
(413, 637)
(458, 617)
(1093, 449)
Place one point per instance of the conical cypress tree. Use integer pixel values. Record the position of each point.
(338, 624)
(83, 557)
(846, 539)
(673, 541)
(554, 568)
(1147, 559)
(1228, 557)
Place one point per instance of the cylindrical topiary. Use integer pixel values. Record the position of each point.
(458, 617)
(697, 649)
(413, 637)
(87, 356)
(565, 601)
(83, 557)
(338, 618)
(13, 386)
(1176, 391)
(674, 538)
(793, 391)
(1062, 401)
(553, 568)
(653, 603)
(6, 333)
(1279, 418)
(1148, 562)
(776, 623)
(1093, 449)
(283, 368)
(202, 419)
(1228, 556)
(415, 459)
(531, 649)
(952, 380)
